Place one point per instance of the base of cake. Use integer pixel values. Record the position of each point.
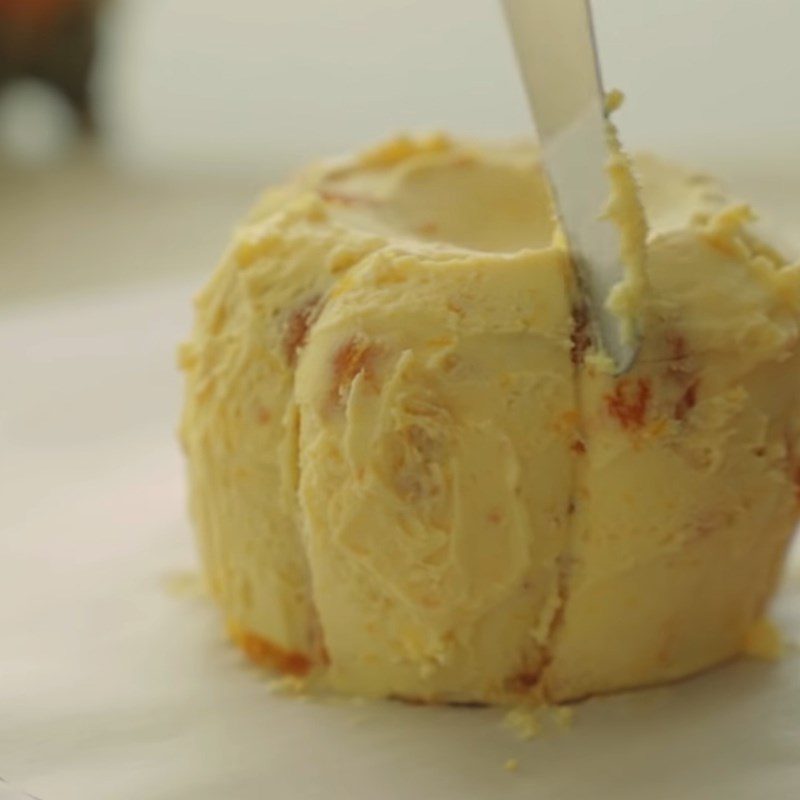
(264, 653)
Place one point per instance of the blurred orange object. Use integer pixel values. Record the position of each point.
(53, 41)
(34, 12)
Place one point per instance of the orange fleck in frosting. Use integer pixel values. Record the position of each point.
(297, 325)
(263, 652)
(354, 357)
(629, 401)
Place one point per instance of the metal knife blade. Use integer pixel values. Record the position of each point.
(554, 43)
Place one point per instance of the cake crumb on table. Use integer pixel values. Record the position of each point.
(184, 583)
(288, 685)
(527, 721)
(563, 716)
(523, 722)
(763, 640)
(511, 765)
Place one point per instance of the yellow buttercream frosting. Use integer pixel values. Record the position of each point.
(411, 472)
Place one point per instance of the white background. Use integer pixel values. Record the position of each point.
(218, 85)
